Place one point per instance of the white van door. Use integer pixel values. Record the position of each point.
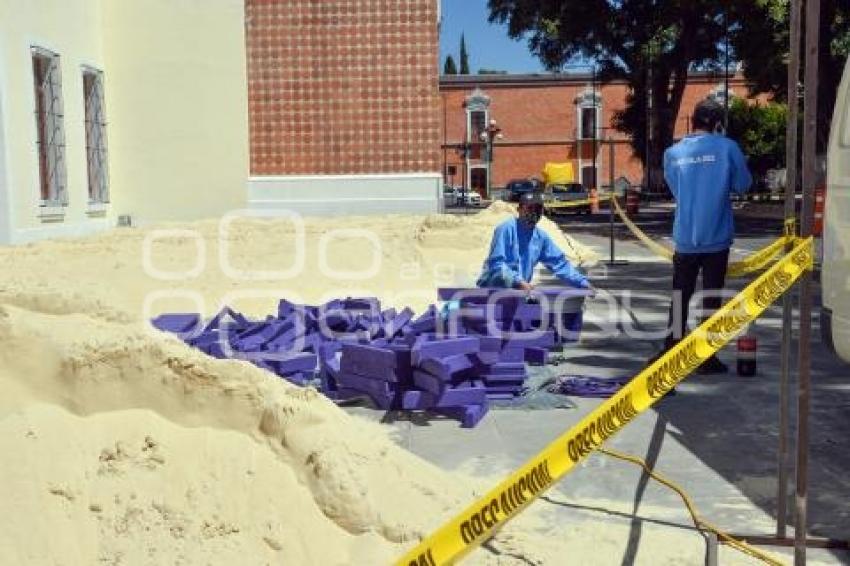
(835, 273)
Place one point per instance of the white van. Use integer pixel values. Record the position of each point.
(835, 270)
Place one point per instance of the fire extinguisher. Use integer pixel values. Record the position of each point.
(747, 348)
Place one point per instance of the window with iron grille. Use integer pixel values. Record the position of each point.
(49, 126)
(98, 172)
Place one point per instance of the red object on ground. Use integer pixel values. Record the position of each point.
(632, 202)
(820, 199)
(594, 201)
(747, 349)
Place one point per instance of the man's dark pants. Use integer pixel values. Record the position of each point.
(686, 269)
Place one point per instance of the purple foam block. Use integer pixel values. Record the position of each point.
(337, 320)
(425, 323)
(285, 309)
(469, 393)
(303, 362)
(536, 339)
(394, 326)
(227, 316)
(379, 390)
(515, 388)
(468, 416)
(444, 348)
(447, 368)
(536, 356)
(428, 382)
(362, 304)
(262, 334)
(512, 354)
(384, 363)
(507, 368)
(177, 323)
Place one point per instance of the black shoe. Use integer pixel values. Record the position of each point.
(712, 366)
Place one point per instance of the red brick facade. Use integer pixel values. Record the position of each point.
(539, 117)
(343, 86)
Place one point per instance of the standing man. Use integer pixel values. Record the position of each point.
(702, 171)
(519, 245)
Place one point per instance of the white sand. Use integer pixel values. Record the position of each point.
(121, 445)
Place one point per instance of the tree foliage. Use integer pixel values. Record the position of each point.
(760, 131)
(464, 56)
(652, 45)
(449, 67)
(761, 43)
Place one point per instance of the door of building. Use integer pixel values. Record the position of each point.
(478, 180)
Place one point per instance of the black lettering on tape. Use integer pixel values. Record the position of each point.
(466, 532)
(477, 526)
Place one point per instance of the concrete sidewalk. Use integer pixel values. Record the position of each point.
(717, 438)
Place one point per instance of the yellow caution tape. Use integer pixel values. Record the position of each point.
(479, 521)
(757, 261)
(573, 203)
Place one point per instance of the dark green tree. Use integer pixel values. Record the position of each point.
(449, 68)
(464, 56)
(759, 128)
(652, 45)
(761, 44)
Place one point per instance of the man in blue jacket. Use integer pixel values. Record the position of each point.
(519, 245)
(702, 171)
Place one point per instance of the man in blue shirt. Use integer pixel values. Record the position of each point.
(702, 171)
(519, 245)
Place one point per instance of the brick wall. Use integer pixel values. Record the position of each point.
(343, 86)
(539, 119)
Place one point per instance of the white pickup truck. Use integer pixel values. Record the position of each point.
(835, 271)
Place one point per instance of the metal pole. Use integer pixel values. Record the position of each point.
(611, 194)
(804, 355)
(726, 68)
(595, 130)
(787, 299)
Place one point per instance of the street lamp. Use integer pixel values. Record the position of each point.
(489, 135)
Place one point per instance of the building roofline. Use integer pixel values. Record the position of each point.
(551, 79)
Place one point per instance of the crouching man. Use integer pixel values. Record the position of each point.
(519, 245)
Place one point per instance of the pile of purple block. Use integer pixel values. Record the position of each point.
(450, 360)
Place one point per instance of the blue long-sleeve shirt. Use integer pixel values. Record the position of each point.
(702, 170)
(516, 249)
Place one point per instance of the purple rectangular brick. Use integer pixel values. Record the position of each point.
(386, 363)
(397, 323)
(535, 339)
(513, 388)
(508, 368)
(229, 317)
(362, 304)
(302, 362)
(177, 323)
(380, 391)
(285, 309)
(425, 323)
(468, 393)
(447, 368)
(427, 382)
(444, 348)
(512, 354)
(336, 320)
(536, 356)
(468, 416)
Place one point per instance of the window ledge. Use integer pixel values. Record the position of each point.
(51, 212)
(97, 208)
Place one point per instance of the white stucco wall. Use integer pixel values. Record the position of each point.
(71, 29)
(176, 106)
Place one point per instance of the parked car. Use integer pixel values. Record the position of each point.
(518, 187)
(570, 192)
(467, 196)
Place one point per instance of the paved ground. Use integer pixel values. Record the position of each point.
(718, 437)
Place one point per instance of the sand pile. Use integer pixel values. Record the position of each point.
(124, 446)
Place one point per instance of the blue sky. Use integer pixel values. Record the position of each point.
(488, 44)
